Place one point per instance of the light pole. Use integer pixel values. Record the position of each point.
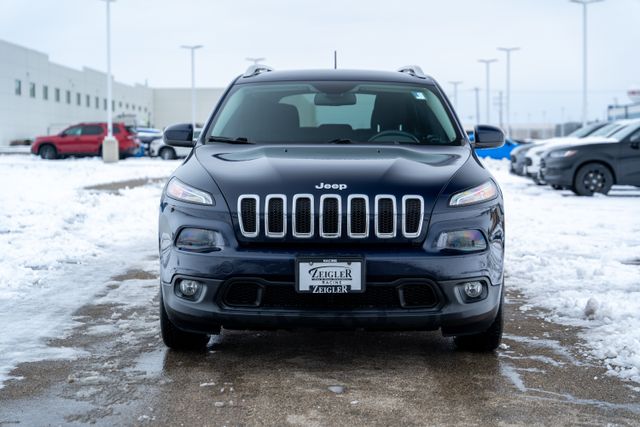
(455, 85)
(487, 63)
(508, 51)
(256, 60)
(110, 150)
(584, 4)
(193, 48)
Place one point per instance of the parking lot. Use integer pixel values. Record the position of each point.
(85, 344)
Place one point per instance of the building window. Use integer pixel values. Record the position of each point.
(145, 109)
(113, 105)
(120, 104)
(88, 99)
(78, 99)
(104, 104)
(57, 94)
(68, 97)
(45, 92)
(18, 87)
(32, 90)
(97, 102)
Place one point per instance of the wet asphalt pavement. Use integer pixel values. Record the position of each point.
(127, 377)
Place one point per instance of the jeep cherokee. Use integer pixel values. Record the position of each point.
(332, 199)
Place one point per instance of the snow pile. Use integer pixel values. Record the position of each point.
(60, 244)
(578, 258)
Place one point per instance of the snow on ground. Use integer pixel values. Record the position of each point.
(60, 244)
(578, 258)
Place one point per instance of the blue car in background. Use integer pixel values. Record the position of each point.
(497, 153)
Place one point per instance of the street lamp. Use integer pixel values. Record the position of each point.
(193, 48)
(508, 51)
(584, 4)
(455, 85)
(255, 61)
(487, 63)
(110, 149)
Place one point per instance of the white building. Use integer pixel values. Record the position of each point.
(38, 97)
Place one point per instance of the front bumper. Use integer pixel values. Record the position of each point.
(386, 268)
(557, 172)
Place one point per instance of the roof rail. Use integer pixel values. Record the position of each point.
(256, 69)
(413, 70)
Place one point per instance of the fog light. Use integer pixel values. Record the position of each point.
(473, 289)
(189, 288)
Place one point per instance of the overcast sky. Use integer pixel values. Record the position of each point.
(445, 37)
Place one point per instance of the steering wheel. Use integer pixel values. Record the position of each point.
(392, 136)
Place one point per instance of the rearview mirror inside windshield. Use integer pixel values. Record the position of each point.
(334, 99)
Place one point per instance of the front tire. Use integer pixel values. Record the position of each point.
(167, 153)
(48, 152)
(592, 178)
(485, 341)
(178, 339)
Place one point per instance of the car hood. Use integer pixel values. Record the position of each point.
(357, 169)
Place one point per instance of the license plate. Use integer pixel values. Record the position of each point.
(329, 275)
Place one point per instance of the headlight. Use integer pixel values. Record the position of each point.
(462, 240)
(199, 240)
(180, 191)
(481, 193)
(562, 153)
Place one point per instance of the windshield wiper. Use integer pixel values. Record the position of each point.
(226, 140)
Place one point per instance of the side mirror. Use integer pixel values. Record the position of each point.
(179, 135)
(486, 136)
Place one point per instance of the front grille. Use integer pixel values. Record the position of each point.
(357, 211)
(403, 294)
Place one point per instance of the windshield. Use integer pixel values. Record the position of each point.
(608, 130)
(333, 111)
(624, 131)
(585, 130)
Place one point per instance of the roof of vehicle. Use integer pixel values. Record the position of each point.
(337, 75)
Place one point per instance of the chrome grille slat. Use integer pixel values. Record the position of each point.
(386, 216)
(249, 215)
(330, 216)
(302, 216)
(275, 215)
(412, 216)
(358, 216)
(383, 210)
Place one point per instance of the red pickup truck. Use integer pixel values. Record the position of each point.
(85, 139)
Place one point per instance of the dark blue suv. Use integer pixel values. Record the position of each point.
(332, 199)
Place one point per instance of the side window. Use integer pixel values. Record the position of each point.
(635, 137)
(116, 129)
(92, 130)
(74, 131)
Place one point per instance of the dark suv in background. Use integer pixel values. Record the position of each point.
(85, 139)
(594, 166)
(332, 199)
